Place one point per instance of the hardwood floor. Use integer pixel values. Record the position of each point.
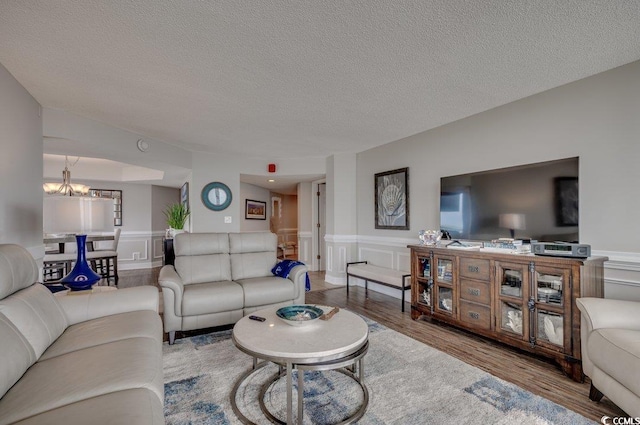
(534, 374)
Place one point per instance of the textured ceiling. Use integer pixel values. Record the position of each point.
(281, 79)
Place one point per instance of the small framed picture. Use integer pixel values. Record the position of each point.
(255, 210)
(392, 199)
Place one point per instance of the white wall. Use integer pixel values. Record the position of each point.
(305, 203)
(595, 119)
(20, 166)
(67, 133)
(254, 193)
(161, 198)
(306, 214)
(341, 213)
(209, 168)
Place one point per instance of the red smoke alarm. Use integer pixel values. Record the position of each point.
(271, 168)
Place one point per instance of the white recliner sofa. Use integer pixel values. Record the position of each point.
(217, 278)
(610, 333)
(76, 359)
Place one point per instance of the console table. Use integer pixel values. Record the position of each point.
(169, 254)
(525, 301)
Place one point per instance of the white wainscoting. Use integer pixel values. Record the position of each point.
(621, 272)
(621, 275)
(140, 250)
(340, 249)
(305, 251)
(157, 243)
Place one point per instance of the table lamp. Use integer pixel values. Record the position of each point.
(512, 222)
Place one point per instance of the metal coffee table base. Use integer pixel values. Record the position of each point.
(351, 365)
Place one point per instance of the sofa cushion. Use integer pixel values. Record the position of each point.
(617, 353)
(84, 374)
(139, 406)
(242, 243)
(211, 297)
(255, 264)
(267, 290)
(201, 244)
(106, 329)
(37, 315)
(17, 355)
(18, 269)
(203, 268)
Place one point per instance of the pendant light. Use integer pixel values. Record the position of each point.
(66, 187)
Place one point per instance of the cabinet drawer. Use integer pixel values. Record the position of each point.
(475, 291)
(475, 268)
(476, 315)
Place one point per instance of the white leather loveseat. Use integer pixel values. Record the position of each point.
(218, 278)
(76, 359)
(610, 333)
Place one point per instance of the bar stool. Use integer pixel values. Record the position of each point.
(56, 266)
(104, 261)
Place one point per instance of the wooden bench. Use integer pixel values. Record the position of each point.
(380, 275)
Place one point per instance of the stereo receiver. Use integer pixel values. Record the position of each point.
(561, 249)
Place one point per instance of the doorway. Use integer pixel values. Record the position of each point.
(321, 193)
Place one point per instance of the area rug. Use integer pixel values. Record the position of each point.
(408, 382)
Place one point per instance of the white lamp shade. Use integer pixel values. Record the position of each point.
(70, 214)
(512, 221)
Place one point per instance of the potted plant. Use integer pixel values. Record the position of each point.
(177, 215)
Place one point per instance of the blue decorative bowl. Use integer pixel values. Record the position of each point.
(299, 315)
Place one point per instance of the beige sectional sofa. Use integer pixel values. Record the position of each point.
(217, 278)
(76, 359)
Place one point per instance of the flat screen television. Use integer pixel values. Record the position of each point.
(534, 201)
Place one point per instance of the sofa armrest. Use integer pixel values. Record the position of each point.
(83, 307)
(599, 313)
(169, 280)
(298, 275)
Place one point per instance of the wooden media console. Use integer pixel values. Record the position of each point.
(525, 301)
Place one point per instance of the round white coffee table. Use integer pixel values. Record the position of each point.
(339, 343)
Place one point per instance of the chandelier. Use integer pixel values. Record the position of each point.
(66, 187)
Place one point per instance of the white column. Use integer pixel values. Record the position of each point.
(341, 235)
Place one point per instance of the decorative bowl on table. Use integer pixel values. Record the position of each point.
(299, 315)
(429, 237)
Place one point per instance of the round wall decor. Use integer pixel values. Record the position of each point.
(216, 196)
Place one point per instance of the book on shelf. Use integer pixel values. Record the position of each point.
(503, 244)
(464, 245)
(513, 249)
(508, 240)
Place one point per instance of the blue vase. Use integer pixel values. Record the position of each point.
(82, 277)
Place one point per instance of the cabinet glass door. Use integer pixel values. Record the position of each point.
(511, 282)
(445, 299)
(425, 267)
(549, 328)
(444, 292)
(445, 271)
(551, 292)
(425, 282)
(550, 286)
(512, 314)
(511, 318)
